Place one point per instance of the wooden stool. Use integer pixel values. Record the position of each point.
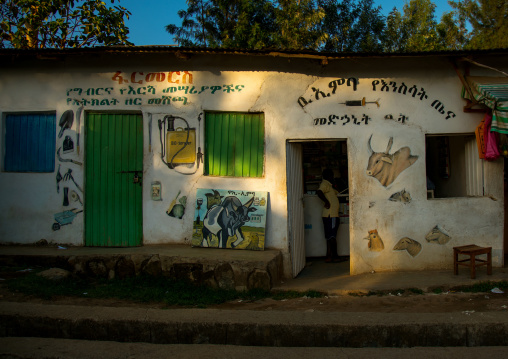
(472, 251)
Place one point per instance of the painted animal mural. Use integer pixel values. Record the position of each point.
(213, 199)
(401, 196)
(226, 220)
(386, 167)
(375, 241)
(437, 236)
(410, 245)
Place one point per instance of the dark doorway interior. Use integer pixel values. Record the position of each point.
(316, 156)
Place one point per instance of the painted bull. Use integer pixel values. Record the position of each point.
(225, 220)
(386, 167)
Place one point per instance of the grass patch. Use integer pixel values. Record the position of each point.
(416, 291)
(381, 293)
(137, 289)
(292, 294)
(360, 293)
(31, 284)
(481, 287)
(143, 289)
(13, 268)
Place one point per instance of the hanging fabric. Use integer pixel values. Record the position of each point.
(491, 140)
(491, 92)
(480, 138)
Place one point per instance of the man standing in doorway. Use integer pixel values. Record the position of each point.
(328, 194)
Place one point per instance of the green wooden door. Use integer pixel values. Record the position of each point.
(113, 206)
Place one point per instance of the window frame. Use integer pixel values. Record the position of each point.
(244, 156)
(471, 178)
(42, 152)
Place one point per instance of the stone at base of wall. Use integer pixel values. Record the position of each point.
(237, 273)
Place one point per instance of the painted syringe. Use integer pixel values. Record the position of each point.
(358, 102)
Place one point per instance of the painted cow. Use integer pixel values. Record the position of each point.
(225, 220)
(386, 167)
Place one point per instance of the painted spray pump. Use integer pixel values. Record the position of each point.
(178, 146)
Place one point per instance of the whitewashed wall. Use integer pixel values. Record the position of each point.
(274, 87)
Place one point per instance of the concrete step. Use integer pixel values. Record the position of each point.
(254, 328)
(48, 348)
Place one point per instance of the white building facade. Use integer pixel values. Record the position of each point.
(392, 128)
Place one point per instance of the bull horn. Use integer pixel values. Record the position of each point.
(389, 147)
(249, 202)
(369, 146)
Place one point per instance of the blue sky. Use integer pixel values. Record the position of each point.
(149, 17)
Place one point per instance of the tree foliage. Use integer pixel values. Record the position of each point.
(243, 24)
(28, 24)
(367, 31)
(341, 25)
(197, 24)
(414, 29)
(351, 25)
(488, 20)
(250, 24)
(225, 23)
(392, 40)
(452, 32)
(297, 25)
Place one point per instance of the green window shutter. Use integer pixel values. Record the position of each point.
(234, 144)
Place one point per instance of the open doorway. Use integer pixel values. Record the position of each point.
(309, 250)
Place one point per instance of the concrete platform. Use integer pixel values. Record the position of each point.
(249, 327)
(334, 279)
(228, 269)
(234, 268)
(48, 348)
(253, 328)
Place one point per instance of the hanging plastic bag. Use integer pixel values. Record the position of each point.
(491, 140)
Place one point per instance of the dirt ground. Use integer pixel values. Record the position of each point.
(450, 301)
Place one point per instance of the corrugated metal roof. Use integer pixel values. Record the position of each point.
(493, 93)
(168, 49)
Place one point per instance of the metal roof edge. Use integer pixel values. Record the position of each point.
(183, 51)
